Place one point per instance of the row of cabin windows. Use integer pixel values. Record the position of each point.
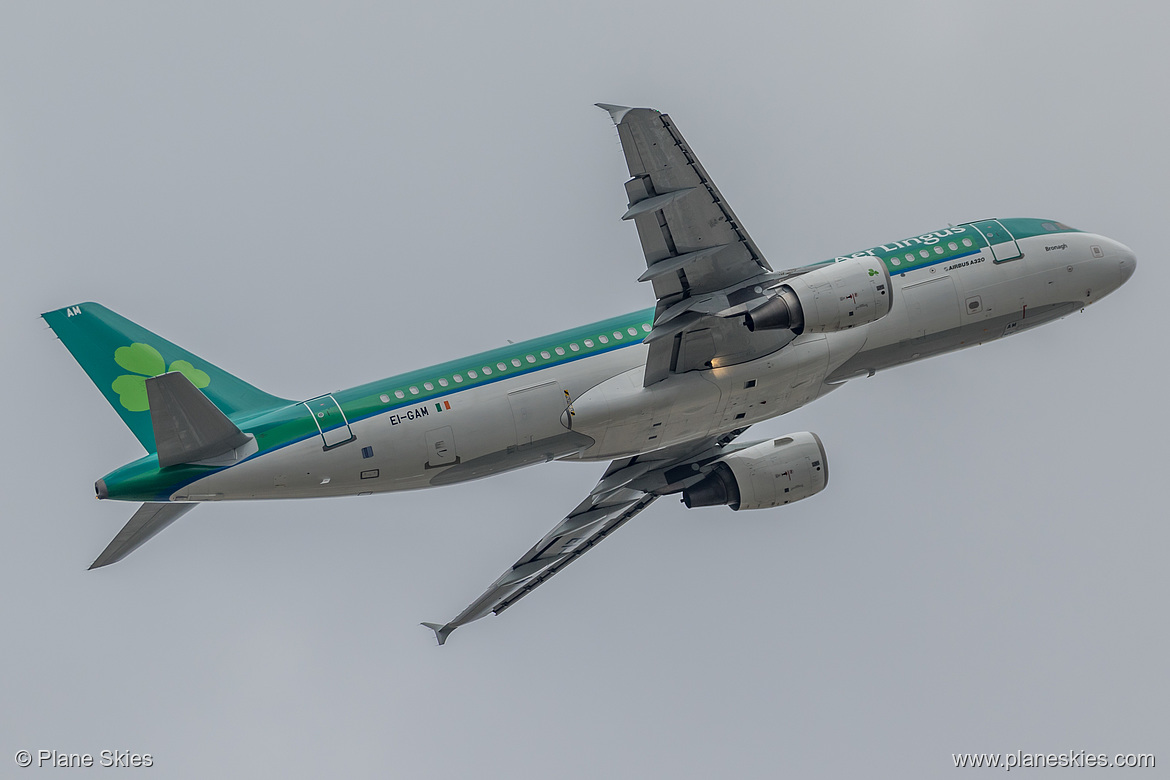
(516, 363)
(925, 253)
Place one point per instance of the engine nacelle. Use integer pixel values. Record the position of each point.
(834, 297)
(771, 473)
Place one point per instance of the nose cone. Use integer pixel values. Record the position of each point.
(1128, 263)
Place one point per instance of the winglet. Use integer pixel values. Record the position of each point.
(616, 112)
(441, 631)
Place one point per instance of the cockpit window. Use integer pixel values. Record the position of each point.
(1023, 227)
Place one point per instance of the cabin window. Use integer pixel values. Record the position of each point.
(487, 371)
(516, 362)
(574, 347)
(632, 331)
(589, 342)
(530, 358)
(968, 242)
(560, 350)
(472, 374)
(603, 339)
(938, 250)
(646, 327)
(399, 394)
(428, 386)
(909, 257)
(545, 355)
(617, 334)
(896, 260)
(924, 253)
(384, 398)
(442, 382)
(458, 378)
(414, 390)
(502, 366)
(952, 246)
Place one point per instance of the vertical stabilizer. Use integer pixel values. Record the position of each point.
(120, 356)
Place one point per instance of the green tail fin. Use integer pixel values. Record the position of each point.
(119, 356)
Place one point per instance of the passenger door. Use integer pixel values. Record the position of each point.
(1003, 245)
(330, 420)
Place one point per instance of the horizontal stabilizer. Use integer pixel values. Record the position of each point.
(187, 426)
(146, 522)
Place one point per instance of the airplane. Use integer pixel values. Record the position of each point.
(663, 394)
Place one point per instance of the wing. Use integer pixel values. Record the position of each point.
(692, 240)
(627, 487)
(698, 254)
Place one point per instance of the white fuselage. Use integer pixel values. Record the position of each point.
(523, 419)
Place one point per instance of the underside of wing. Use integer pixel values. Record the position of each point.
(693, 242)
(627, 487)
(699, 258)
(593, 520)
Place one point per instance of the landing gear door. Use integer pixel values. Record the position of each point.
(330, 420)
(1003, 245)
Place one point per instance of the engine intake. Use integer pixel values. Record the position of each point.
(834, 297)
(768, 474)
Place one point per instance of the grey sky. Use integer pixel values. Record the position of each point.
(316, 196)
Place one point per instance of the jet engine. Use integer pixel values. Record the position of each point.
(771, 473)
(834, 297)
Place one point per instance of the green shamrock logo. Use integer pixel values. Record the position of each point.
(145, 361)
(872, 272)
